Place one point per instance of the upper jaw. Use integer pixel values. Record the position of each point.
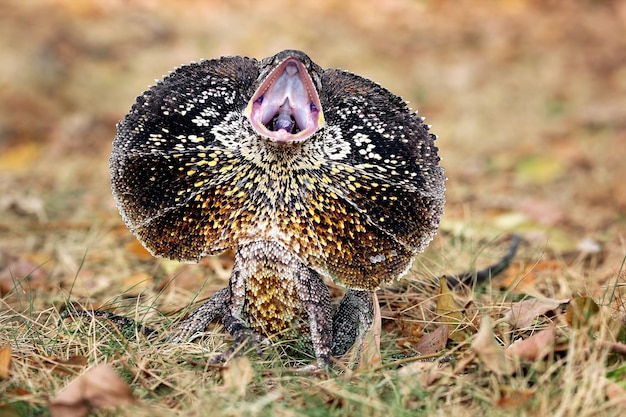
(286, 106)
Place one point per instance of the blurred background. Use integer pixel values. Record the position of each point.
(528, 99)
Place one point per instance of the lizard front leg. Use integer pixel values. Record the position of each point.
(241, 333)
(351, 320)
(197, 322)
(226, 304)
(315, 298)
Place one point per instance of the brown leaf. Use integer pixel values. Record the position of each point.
(370, 356)
(449, 312)
(539, 169)
(7, 410)
(535, 347)
(135, 284)
(426, 372)
(615, 392)
(99, 387)
(489, 350)
(19, 392)
(24, 205)
(238, 375)
(137, 249)
(220, 265)
(5, 362)
(580, 311)
(616, 347)
(523, 279)
(187, 277)
(434, 341)
(19, 157)
(21, 269)
(514, 398)
(544, 212)
(525, 312)
(68, 366)
(409, 333)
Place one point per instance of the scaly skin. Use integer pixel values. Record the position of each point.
(200, 165)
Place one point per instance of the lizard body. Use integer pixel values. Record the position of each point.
(308, 173)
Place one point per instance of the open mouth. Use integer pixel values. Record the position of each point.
(286, 107)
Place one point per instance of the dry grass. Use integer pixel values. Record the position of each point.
(528, 99)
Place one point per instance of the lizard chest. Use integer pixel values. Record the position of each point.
(271, 303)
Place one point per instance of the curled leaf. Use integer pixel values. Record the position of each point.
(489, 351)
(427, 373)
(515, 398)
(370, 350)
(535, 347)
(449, 312)
(5, 362)
(434, 341)
(67, 366)
(615, 392)
(525, 312)
(99, 387)
(580, 311)
(238, 375)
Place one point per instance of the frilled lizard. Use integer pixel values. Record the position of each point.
(308, 173)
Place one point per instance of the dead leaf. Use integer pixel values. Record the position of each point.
(580, 311)
(535, 347)
(220, 266)
(19, 157)
(616, 347)
(171, 267)
(68, 366)
(426, 372)
(522, 314)
(24, 205)
(99, 387)
(135, 284)
(539, 169)
(370, 356)
(5, 362)
(514, 398)
(409, 333)
(489, 351)
(187, 277)
(463, 363)
(615, 393)
(434, 341)
(238, 375)
(19, 392)
(137, 249)
(541, 211)
(449, 312)
(7, 410)
(523, 279)
(18, 270)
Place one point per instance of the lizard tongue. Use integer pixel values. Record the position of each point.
(283, 120)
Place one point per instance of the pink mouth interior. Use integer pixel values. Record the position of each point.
(286, 106)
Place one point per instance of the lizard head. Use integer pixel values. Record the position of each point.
(285, 106)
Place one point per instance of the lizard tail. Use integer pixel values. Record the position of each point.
(479, 277)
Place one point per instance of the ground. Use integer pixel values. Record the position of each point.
(528, 99)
